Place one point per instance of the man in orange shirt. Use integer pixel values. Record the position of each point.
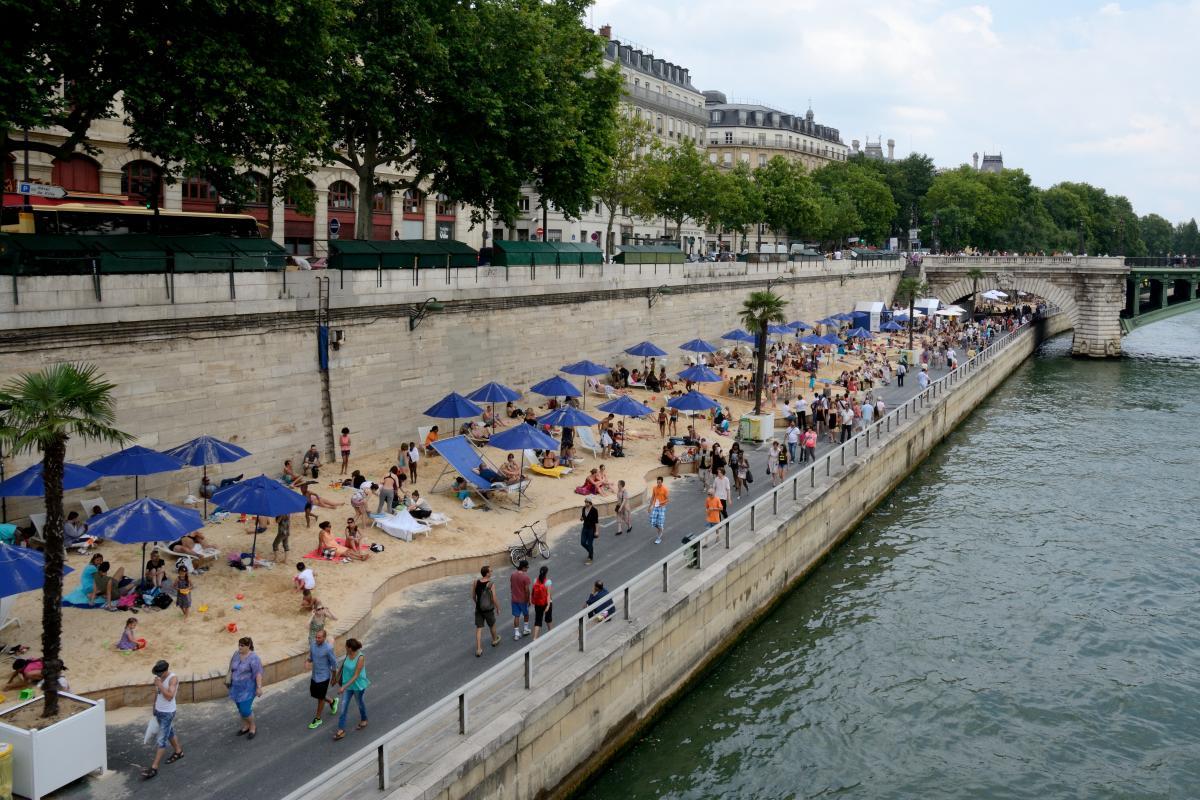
(712, 508)
(430, 438)
(659, 497)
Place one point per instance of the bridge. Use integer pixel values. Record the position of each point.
(1103, 297)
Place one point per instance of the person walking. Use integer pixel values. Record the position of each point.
(323, 663)
(793, 441)
(166, 685)
(712, 509)
(622, 510)
(518, 587)
(587, 534)
(659, 498)
(543, 601)
(483, 596)
(721, 489)
(283, 530)
(780, 465)
(923, 378)
(352, 677)
(245, 684)
(810, 443)
(901, 371)
(704, 465)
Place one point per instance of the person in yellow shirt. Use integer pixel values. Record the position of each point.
(659, 498)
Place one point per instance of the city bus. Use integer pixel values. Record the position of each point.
(98, 219)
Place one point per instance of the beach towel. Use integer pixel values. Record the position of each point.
(316, 554)
(554, 472)
(401, 525)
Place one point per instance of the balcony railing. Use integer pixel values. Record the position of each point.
(669, 104)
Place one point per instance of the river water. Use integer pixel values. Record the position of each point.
(1019, 619)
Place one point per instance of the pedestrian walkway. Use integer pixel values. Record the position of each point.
(421, 652)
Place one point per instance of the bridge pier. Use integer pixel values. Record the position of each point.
(1100, 299)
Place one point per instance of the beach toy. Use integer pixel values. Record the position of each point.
(202, 609)
(231, 627)
(3, 699)
(237, 606)
(240, 597)
(141, 644)
(26, 694)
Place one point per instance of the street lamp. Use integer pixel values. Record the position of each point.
(653, 295)
(422, 311)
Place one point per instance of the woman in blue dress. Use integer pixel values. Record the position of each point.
(87, 581)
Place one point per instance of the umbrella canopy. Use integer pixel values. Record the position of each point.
(995, 294)
(261, 496)
(738, 335)
(646, 350)
(567, 417)
(845, 316)
(829, 321)
(700, 374)
(523, 437)
(585, 368)
(28, 482)
(779, 330)
(453, 406)
(693, 401)
(22, 570)
(205, 450)
(900, 317)
(858, 333)
(494, 393)
(812, 338)
(557, 386)
(698, 346)
(949, 312)
(799, 325)
(891, 326)
(831, 340)
(625, 406)
(145, 520)
(136, 460)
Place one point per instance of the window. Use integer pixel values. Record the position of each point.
(290, 200)
(712, 158)
(76, 173)
(141, 179)
(745, 158)
(196, 187)
(728, 159)
(762, 159)
(715, 116)
(260, 190)
(658, 125)
(523, 203)
(341, 196)
(382, 202)
(598, 211)
(762, 140)
(728, 137)
(779, 140)
(414, 202)
(444, 208)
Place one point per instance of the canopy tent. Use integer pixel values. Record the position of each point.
(649, 254)
(352, 254)
(507, 253)
(869, 314)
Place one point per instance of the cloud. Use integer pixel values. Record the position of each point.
(1066, 91)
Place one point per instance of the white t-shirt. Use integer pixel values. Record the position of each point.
(793, 435)
(721, 488)
(161, 703)
(307, 579)
(413, 455)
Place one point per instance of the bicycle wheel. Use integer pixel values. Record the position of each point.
(515, 554)
(543, 549)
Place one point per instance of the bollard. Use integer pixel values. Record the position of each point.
(583, 634)
(753, 508)
(626, 603)
(529, 666)
(727, 542)
(381, 764)
(666, 578)
(462, 713)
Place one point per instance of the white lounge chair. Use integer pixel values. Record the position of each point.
(587, 438)
(91, 503)
(6, 607)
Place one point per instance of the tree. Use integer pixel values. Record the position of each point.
(907, 291)
(1157, 234)
(43, 410)
(680, 185)
(735, 201)
(1187, 238)
(760, 310)
(850, 184)
(624, 184)
(791, 201)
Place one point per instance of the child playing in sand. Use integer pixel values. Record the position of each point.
(183, 591)
(305, 579)
(128, 640)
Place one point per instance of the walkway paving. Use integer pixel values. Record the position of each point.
(417, 653)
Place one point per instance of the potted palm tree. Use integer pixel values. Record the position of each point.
(759, 311)
(40, 412)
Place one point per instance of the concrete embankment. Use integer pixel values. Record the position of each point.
(546, 741)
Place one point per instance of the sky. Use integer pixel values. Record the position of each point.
(1102, 92)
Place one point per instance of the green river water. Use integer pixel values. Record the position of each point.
(1018, 620)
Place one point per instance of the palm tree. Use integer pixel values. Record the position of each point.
(975, 274)
(759, 310)
(41, 411)
(908, 290)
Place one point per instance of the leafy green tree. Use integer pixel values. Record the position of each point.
(970, 211)
(909, 290)
(791, 201)
(736, 202)
(1157, 234)
(760, 310)
(42, 412)
(624, 184)
(850, 183)
(680, 185)
(976, 275)
(1187, 238)
(909, 179)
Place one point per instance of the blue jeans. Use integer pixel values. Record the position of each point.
(347, 695)
(166, 727)
(792, 452)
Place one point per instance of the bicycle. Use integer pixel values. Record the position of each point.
(522, 551)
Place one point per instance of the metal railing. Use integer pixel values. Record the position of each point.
(404, 751)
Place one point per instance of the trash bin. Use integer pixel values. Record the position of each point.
(6, 767)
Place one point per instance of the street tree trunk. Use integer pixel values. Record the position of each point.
(912, 302)
(608, 256)
(760, 368)
(363, 215)
(52, 475)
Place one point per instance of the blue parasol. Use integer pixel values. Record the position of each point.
(494, 393)
(646, 350)
(585, 368)
(891, 326)
(835, 321)
(205, 450)
(135, 461)
(858, 333)
(262, 497)
(832, 340)
(845, 316)
(779, 330)
(522, 438)
(557, 386)
(698, 346)
(567, 417)
(738, 335)
(145, 520)
(799, 325)
(693, 401)
(22, 570)
(812, 338)
(700, 374)
(28, 482)
(625, 407)
(453, 406)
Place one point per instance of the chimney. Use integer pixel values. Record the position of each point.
(975, 160)
(891, 149)
(606, 32)
(854, 145)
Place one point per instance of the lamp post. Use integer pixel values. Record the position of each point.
(422, 311)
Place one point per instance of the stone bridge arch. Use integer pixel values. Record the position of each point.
(1055, 294)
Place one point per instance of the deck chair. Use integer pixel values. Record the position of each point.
(534, 465)
(6, 607)
(89, 503)
(462, 458)
(586, 437)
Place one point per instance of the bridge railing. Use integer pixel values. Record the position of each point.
(1185, 262)
(400, 754)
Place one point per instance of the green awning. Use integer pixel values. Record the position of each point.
(399, 254)
(35, 254)
(649, 254)
(524, 254)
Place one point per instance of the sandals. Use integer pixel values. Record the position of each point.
(175, 757)
(478, 653)
(496, 642)
(361, 725)
(337, 737)
(148, 773)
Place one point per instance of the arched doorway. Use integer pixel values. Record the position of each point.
(141, 182)
(342, 197)
(76, 173)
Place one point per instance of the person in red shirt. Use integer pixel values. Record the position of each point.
(518, 585)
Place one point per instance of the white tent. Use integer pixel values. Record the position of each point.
(994, 294)
(928, 305)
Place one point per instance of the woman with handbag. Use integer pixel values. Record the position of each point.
(352, 677)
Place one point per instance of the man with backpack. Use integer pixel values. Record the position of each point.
(483, 597)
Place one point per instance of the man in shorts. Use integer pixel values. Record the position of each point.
(324, 663)
(518, 584)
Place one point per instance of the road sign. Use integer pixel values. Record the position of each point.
(540, 231)
(596, 237)
(41, 190)
(335, 225)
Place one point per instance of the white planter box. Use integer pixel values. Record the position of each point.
(47, 759)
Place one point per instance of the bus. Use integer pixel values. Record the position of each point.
(87, 219)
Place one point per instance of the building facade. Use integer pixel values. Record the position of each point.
(753, 134)
(659, 93)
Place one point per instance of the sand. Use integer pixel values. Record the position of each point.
(271, 613)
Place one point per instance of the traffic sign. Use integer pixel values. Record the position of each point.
(335, 225)
(540, 231)
(41, 190)
(595, 237)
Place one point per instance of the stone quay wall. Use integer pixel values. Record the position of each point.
(187, 359)
(547, 741)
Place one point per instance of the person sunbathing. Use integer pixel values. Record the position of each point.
(109, 588)
(549, 459)
(327, 543)
(606, 485)
(289, 475)
(478, 432)
(195, 547)
(592, 482)
(511, 470)
(354, 538)
(316, 499)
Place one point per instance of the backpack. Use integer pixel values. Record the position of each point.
(163, 601)
(483, 596)
(540, 595)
